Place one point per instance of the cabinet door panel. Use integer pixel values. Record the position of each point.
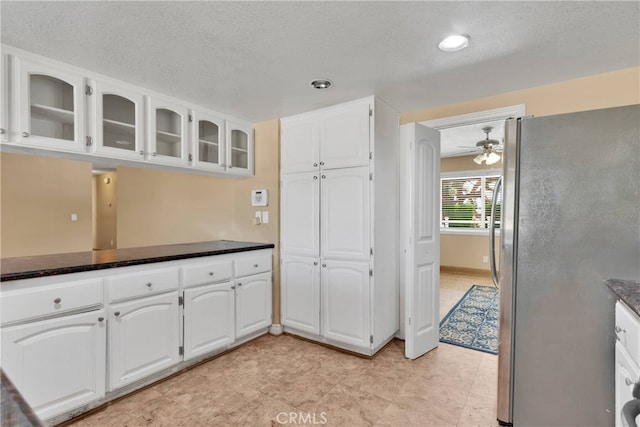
(49, 106)
(118, 121)
(167, 132)
(345, 302)
(143, 338)
(344, 137)
(253, 303)
(4, 107)
(239, 148)
(209, 139)
(300, 289)
(208, 319)
(300, 144)
(299, 217)
(57, 364)
(345, 213)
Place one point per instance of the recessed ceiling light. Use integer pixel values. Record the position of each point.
(321, 84)
(454, 43)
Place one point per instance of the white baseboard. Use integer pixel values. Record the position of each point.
(276, 329)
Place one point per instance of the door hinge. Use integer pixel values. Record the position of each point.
(88, 90)
(190, 118)
(190, 157)
(89, 141)
(409, 321)
(180, 301)
(371, 272)
(371, 339)
(370, 155)
(371, 176)
(371, 251)
(181, 351)
(370, 112)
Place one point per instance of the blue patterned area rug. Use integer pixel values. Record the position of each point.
(473, 321)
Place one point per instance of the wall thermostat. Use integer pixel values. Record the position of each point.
(259, 197)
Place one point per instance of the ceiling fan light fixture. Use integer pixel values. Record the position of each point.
(480, 158)
(493, 158)
(454, 43)
(321, 84)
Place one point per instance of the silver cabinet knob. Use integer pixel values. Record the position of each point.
(321, 163)
(315, 262)
(315, 165)
(153, 154)
(100, 319)
(211, 273)
(233, 287)
(239, 284)
(149, 284)
(2, 131)
(141, 152)
(618, 329)
(324, 265)
(324, 177)
(25, 134)
(117, 313)
(315, 177)
(57, 300)
(230, 166)
(628, 381)
(255, 265)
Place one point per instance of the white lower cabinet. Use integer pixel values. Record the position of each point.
(345, 302)
(627, 357)
(57, 364)
(300, 294)
(143, 337)
(209, 322)
(253, 304)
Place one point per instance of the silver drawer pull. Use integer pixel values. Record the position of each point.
(117, 313)
(628, 381)
(211, 273)
(100, 319)
(57, 301)
(149, 284)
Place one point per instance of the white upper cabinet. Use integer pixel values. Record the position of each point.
(167, 139)
(209, 141)
(240, 148)
(300, 214)
(48, 106)
(4, 124)
(336, 137)
(300, 144)
(118, 121)
(345, 136)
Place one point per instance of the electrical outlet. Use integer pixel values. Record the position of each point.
(485, 259)
(265, 217)
(74, 217)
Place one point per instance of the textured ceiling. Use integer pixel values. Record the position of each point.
(255, 60)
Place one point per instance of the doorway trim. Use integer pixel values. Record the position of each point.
(476, 117)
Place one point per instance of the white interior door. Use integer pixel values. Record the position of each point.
(421, 235)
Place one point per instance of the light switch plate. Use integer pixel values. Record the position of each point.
(265, 217)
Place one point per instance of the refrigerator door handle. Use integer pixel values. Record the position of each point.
(492, 233)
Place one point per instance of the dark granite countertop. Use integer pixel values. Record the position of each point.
(628, 291)
(15, 410)
(50, 265)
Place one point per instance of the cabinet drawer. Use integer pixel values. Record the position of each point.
(50, 300)
(628, 330)
(206, 272)
(143, 284)
(253, 265)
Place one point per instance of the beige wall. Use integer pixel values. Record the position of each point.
(157, 207)
(105, 211)
(38, 197)
(601, 91)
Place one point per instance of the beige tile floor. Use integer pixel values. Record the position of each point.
(287, 381)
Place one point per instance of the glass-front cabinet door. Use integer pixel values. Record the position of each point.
(167, 132)
(209, 142)
(119, 121)
(49, 106)
(240, 148)
(4, 125)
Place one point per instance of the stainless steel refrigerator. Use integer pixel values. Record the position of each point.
(570, 220)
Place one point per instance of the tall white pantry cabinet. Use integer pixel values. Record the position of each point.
(339, 233)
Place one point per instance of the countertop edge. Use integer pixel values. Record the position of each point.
(628, 291)
(7, 277)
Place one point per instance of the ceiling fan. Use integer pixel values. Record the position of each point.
(489, 148)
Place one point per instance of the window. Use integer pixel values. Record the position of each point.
(466, 197)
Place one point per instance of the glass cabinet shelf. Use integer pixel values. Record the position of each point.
(59, 115)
